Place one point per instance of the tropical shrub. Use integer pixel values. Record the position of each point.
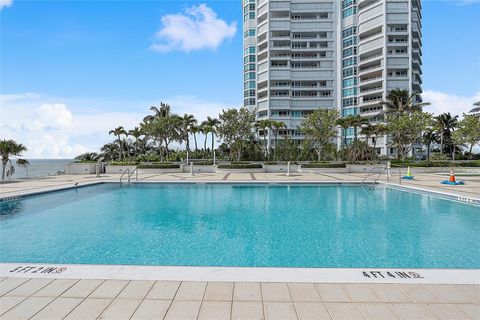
(324, 165)
(240, 166)
(158, 165)
(123, 163)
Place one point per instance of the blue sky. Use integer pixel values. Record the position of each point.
(70, 70)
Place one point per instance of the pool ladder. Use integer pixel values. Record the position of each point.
(372, 172)
(129, 175)
(375, 181)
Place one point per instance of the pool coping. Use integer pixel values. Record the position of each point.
(241, 274)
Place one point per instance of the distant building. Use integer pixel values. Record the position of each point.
(301, 55)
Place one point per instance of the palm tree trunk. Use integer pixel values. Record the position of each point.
(205, 143)
(195, 139)
(3, 171)
(470, 152)
(213, 141)
(275, 150)
(187, 142)
(120, 148)
(265, 144)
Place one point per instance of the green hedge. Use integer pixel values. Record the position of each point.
(240, 166)
(280, 163)
(159, 165)
(240, 162)
(123, 163)
(324, 165)
(203, 163)
(434, 164)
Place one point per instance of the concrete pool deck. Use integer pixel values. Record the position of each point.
(29, 293)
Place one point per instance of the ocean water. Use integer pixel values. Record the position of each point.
(241, 225)
(40, 168)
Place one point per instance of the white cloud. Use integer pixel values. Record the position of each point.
(445, 102)
(52, 130)
(196, 28)
(5, 3)
(65, 130)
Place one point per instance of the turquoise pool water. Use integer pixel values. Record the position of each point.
(241, 225)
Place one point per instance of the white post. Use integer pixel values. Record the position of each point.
(214, 157)
(187, 157)
(191, 169)
(389, 165)
(288, 168)
(97, 169)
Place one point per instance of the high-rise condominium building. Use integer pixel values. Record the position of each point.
(301, 55)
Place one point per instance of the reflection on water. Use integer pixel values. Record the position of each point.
(10, 208)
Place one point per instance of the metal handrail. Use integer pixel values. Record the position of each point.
(125, 172)
(135, 171)
(370, 173)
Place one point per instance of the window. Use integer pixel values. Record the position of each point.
(249, 50)
(349, 41)
(250, 58)
(349, 31)
(349, 102)
(348, 52)
(349, 72)
(249, 102)
(348, 12)
(250, 15)
(249, 76)
(347, 3)
(250, 85)
(249, 33)
(349, 62)
(349, 112)
(349, 92)
(349, 82)
(249, 93)
(249, 67)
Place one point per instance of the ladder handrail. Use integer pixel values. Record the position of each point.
(370, 173)
(124, 172)
(131, 174)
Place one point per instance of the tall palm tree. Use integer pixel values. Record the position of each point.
(110, 151)
(185, 126)
(158, 112)
(9, 148)
(400, 101)
(264, 125)
(428, 138)
(118, 132)
(344, 123)
(276, 126)
(445, 124)
(211, 125)
(136, 133)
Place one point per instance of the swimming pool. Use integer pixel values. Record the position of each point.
(241, 225)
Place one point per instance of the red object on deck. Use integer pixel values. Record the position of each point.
(452, 176)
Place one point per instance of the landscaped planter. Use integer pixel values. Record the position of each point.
(364, 168)
(159, 170)
(80, 168)
(200, 169)
(280, 168)
(109, 169)
(245, 170)
(324, 170)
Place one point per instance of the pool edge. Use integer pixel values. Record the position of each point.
(241, 274)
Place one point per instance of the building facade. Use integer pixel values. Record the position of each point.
(301, 55)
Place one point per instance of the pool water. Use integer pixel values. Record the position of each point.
(241, 225)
